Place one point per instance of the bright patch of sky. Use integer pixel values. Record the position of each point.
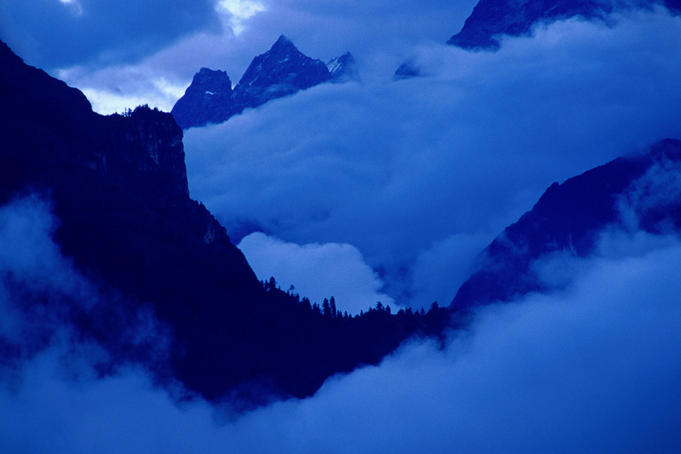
(239, 11)
(107, 102)
(74, 4)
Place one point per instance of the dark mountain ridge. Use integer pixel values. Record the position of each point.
(118, 188)
(492, 19)
(570, 218)
(281, 71)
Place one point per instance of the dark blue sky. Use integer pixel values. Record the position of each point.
(61, 33)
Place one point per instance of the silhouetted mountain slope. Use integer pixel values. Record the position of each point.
(118, 188)
(630, 192)
(281, 71)
(491, 19)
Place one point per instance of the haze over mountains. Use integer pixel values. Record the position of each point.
(203, 274)
(533, 192)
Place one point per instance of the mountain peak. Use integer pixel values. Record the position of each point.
(283, 49)
(283, 41)
(281, 71)
(343, 68)
(206, 100)
(212, 79)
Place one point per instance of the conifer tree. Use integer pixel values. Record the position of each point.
(332, 306)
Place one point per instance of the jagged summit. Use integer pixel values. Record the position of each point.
(343, 68)
(281, 71)
(206, 100)
(216, 80)
(283, 42)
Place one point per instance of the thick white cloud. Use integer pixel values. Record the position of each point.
(394, 168)
(317, 271)
(443, 267)
(26, 228)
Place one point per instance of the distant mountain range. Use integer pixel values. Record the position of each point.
(281, 71)
(493, 19)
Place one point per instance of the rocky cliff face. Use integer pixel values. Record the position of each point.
(48, 125)
(281, 71)
(118, 187)
(636, 192)
(492, 19)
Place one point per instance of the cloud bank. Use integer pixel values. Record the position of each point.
(317, 271)
(593, 368)
(397, 169)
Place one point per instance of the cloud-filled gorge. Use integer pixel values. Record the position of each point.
(593, 368)
(437, 166)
